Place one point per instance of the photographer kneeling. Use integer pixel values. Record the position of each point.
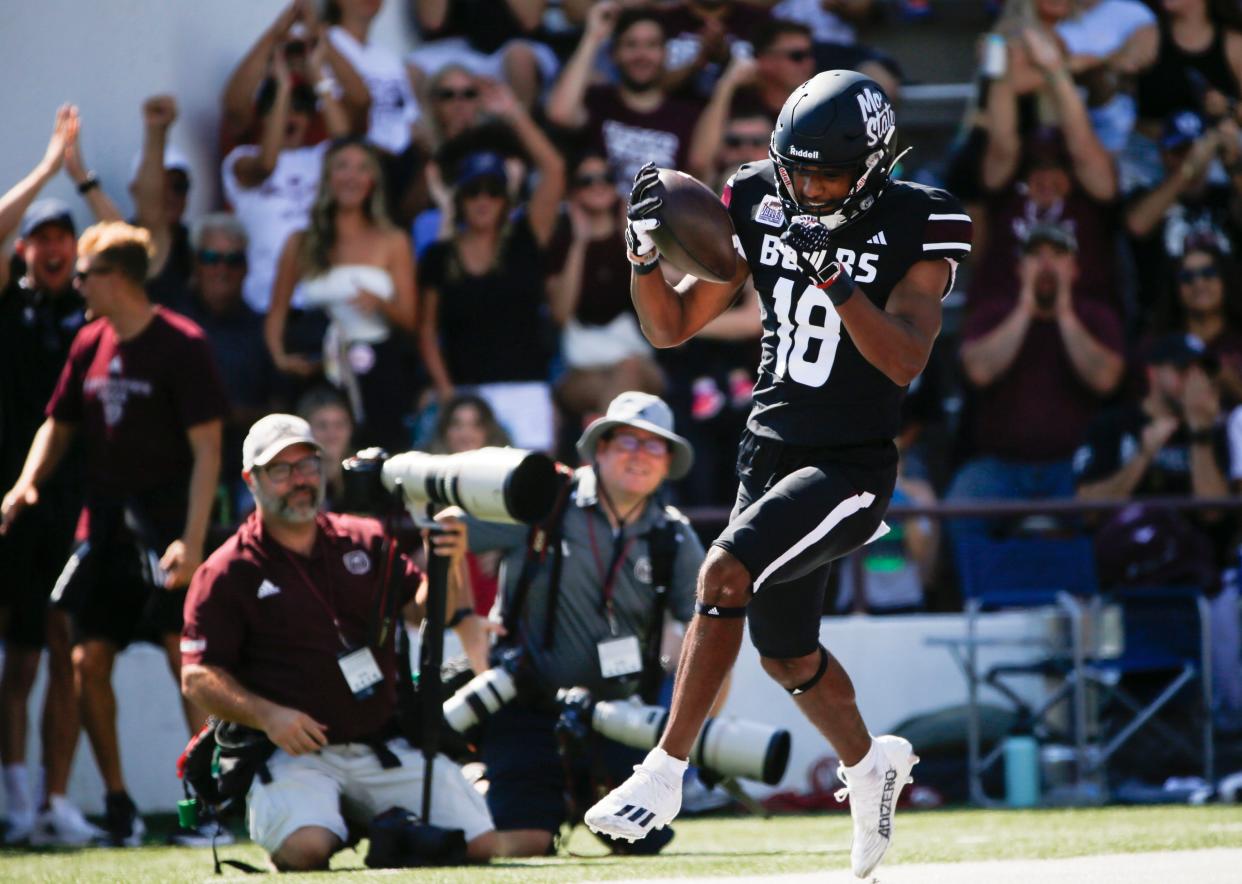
(281, 635)
(587, 614)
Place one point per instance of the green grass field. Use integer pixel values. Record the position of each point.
(722, 847)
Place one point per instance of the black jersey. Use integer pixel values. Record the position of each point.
(814, 387)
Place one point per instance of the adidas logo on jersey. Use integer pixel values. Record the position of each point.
(267, 588)
(878, 240)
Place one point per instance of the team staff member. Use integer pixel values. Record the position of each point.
(850, 267)
(141, 391)
(604, 608)
(280, 635)
(40, 313)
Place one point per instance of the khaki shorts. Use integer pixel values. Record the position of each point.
(322, 788)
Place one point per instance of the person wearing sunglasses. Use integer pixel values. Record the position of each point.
(285, 634)
(1189, 202)
(1205, 300)
(141, 393)
(40, 314)
(483, 325)
(216, 302)
(590, 615)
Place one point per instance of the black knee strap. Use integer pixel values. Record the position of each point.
(719, 611)
(814, 679)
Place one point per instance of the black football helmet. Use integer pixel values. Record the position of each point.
(835, 120)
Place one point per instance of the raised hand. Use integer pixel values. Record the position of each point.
(66, 116)
(643, 215)
(159, 111)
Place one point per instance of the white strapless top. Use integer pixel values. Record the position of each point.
(333, 291)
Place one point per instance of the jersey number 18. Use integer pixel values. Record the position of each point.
(795, 357)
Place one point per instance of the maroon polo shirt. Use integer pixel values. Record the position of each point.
(133, 402)
(265, 615)
(1039, 409)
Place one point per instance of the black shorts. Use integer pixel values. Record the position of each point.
(797, 510)
(526, 775)
(32, 555)
(112, 587)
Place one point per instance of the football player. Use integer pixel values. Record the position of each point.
(851, 267)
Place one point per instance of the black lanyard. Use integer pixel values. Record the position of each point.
(319, 597)
(620, 549)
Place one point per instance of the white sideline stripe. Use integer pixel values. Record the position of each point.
(840, 512)
(950, 217)
(935, 246)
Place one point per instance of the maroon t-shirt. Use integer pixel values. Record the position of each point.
(1038, 410)
(134, 400)
(605, 293)
(629, 138)
(1010, 215)
(265, 615)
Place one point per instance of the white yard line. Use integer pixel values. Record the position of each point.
(1217, 866)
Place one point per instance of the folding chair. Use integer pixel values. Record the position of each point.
(1165, 630)
(1027, 572)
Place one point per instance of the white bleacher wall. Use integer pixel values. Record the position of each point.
(895, 673)
(106, 57)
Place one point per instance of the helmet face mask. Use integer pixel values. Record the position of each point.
(836, 120)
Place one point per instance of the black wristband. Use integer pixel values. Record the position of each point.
(459, 615)
(840, 289)
(644, 269)
(1206, 436)
(88, 184)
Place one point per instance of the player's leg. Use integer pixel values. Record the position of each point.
(784, 626)
(825, 512)
(709, 650)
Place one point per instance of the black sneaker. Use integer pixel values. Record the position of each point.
(123, 826)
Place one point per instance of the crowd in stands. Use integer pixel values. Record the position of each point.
(426, 252)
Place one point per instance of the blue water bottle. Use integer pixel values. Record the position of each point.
(1021, 755)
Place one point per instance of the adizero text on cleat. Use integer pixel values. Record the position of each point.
(873, 801)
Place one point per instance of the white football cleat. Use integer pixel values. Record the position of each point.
(647, 801)
(873, 800)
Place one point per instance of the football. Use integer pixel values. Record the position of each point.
(695, 233)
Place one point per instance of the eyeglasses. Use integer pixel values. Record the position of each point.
(483, 186)
(794, 55)
(732, 139)
(630, 444)
(308, 468)
(1188, 275)
(589, 179)
(210, 257)
(81, 276)
(467, 94)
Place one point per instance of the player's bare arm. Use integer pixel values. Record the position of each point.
(672, 315)
(898, 339)
(668, 316)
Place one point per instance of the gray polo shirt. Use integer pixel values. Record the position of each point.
(582, 620)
